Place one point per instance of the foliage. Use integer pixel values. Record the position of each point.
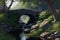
(11, 20)
(2, 17)
(2, 2)
(4, 36)
(40, 30)
(56, 26)
(43, 16)
(51, 26)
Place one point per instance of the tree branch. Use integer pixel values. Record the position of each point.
(10, 4)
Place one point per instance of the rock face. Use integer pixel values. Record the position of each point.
(57, 39)
(3, 8)
(5, 27)
(45, 34)
(53, 35)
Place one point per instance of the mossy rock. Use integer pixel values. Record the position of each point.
(56, 26)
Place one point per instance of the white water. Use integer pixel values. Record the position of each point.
(23, 38)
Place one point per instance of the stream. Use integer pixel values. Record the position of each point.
(24, 36)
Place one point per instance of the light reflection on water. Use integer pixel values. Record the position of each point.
(23, 38)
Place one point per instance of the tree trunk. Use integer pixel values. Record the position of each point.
(52, 9)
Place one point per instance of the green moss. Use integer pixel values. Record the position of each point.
(56, 26)
(36, 33)
(44, 14)
(5, 36)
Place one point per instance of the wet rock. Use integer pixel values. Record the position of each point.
(45, 34)
(57, 39)
(35, 26)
